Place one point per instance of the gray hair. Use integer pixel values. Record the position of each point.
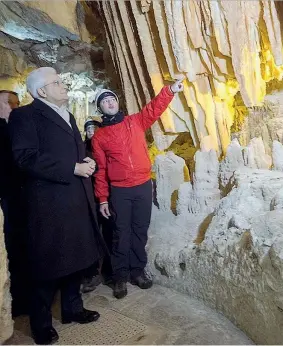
(37, 78)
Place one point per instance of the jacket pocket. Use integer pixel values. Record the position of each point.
(144, 162)
(117, 171)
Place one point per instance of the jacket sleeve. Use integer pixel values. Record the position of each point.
(154, 109)
(101, 187)
(27, 154)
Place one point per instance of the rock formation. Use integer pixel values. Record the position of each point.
(6, 323)
(265, 122)
(223, 48)
(227, 251)
(221, 241)
(57, 34)
(170, 170)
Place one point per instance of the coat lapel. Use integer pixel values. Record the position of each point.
(50, 114)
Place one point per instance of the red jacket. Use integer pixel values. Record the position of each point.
(120, 150)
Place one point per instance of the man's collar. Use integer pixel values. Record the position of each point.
(52, 105)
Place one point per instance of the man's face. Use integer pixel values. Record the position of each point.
(13, 101)
(7, 103)
(54, 90)
(109, 105)
(90, 131)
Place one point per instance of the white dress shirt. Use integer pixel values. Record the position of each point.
(62, 111)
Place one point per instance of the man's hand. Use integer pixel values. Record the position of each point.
(104, 209)
(177, 86)
(84, 169)
(91, 162)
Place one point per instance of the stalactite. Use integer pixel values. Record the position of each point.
(222, 47)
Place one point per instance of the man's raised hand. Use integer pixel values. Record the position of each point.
(177, 86)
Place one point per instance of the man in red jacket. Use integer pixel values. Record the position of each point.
(120, 150)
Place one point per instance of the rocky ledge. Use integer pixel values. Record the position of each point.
(227, 251)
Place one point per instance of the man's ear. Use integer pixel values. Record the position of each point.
(41, 92)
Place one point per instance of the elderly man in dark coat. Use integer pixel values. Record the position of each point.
(63, 236)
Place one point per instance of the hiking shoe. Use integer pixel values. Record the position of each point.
(120, 289)
(142, 281)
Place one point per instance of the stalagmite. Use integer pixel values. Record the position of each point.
(170, 175)
(255, 156)
(233, 161)
(205, 193)
(277, 156)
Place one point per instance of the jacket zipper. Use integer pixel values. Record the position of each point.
(131, 162)
(129, 156)
(130, 159)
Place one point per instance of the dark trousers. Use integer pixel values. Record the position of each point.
(132, 209)
(43, 293)
(108, 226)
(92, 271)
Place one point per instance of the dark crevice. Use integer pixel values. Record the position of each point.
(203, 228)
(162, 270)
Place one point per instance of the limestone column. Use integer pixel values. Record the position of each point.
(6, 322)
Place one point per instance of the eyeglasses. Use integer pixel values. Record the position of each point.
(56, 82)
(108, 100)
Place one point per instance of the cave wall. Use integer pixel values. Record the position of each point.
(224, 244)
(66, 35)
(223, 48)
(6, 323)
(215, 233)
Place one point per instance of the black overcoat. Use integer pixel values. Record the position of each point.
(63, 235)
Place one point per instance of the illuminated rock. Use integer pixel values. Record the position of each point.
(37, 20)
(6, 323)
(255, 156)
(277, 156)
(222, 47)
(170, 174)
(232, 161)
(205, 186)
(184, 198)
(237, 268)
(265, 122)
(52, 33)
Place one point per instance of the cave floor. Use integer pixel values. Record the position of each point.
(145, 317)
